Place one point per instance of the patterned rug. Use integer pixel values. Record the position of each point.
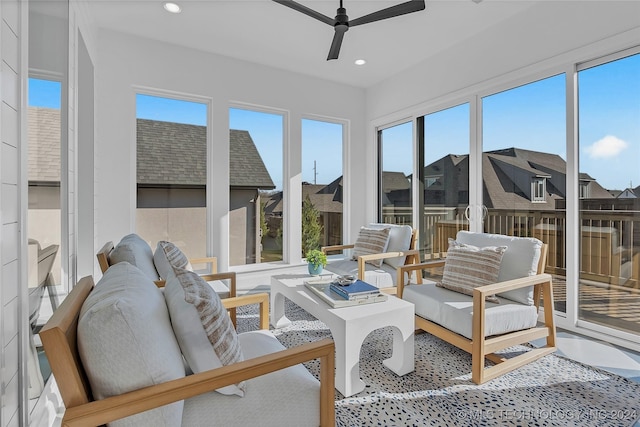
(552, 391)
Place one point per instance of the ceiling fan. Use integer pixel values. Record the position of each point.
(341, 22)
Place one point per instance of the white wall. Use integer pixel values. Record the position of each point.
(126, 62)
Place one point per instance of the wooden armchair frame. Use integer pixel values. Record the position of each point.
(59, 339)
(104, 260)
(482, 347)
(412, 254)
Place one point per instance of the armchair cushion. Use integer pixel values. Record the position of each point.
(520, 260)
(286, 397)
(371, 241)
(134, 250)
(454, 311)
(399, 240)
(125, 341)
(202, 326)
(468, 267)
(166, 256)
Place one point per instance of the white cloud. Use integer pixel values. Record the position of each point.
(609, 146)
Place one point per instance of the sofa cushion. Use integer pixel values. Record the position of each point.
(454, 311)
(290, 396)
(202, 317)
(125, 342)
(399, 240)
(371, 241)
(166, 256)
(520, 260)
(134, 250)
(468, 267)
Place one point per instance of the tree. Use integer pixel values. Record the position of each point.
(311, 228)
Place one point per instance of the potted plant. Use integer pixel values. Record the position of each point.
(316, 260)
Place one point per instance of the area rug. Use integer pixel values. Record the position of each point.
(552, 391)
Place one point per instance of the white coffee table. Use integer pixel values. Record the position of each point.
(349, 327)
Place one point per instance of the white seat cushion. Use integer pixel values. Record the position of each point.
(289, 397)
(520, 260)
(126, 342)
(454, 310)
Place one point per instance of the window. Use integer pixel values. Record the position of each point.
(396, 167)
(256, 193)
(322, 184)
(171, 171)
(445, 146)
(524, 168)
(609, 150)
(538, 190)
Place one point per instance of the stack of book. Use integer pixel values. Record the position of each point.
(357, 290)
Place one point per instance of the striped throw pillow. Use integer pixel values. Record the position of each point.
(371, 241)
(468, 267)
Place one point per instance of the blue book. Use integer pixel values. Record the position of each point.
(357, 289)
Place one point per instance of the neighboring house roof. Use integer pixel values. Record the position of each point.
(175, 154)
(393, 181)
(44, 144)
(628, 193)
(325, 198)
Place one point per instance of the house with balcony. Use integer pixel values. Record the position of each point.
(262, 58)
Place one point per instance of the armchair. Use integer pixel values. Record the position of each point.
(60, 340)
(483, 328)
(400, 250)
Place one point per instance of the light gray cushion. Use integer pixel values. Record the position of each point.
(126, 342)
(454, 310)
(192, 338)
(289, 397)
(371, 241)
(214, 322)
(166, 256)
(520, 260)
(134, 250)
(399, 240)
(468, 267)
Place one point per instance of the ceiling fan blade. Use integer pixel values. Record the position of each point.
(390, 12)
(307, 11)
(337, 41)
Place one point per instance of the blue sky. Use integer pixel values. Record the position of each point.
(530, 117)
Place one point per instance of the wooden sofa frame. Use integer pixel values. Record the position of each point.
(59, 339)
(104, 260)
(412, 256)
(482, 347)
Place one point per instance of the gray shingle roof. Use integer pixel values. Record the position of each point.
(44, 144)
(175, 154)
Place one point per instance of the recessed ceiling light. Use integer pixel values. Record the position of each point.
(360, 62)
(172, 7)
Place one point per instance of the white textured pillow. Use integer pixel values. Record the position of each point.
(167, 256)
(134, 250)
(126, 342)
(201, 325)
(468, 267)
(371, 241)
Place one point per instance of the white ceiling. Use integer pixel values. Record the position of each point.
(266, 32)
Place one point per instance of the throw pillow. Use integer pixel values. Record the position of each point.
(371, 241)
(167, 256)
(202, 326)
(136, 251)
(468, 267)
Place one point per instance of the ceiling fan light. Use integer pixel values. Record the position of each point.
(172, 7)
